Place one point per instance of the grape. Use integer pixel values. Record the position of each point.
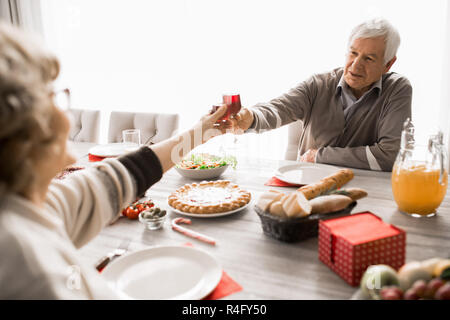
(432, 287)
(391, 293)
(420, 287)
(443, 293)
(411, 294)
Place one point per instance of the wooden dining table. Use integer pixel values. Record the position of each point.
(264, 267)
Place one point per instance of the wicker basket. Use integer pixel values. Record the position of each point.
(296, 229)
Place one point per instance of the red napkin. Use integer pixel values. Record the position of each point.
(274, 182)
(361, 228)
(225, 287)
(93, 158)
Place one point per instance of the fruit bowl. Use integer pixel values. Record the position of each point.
(202, 174)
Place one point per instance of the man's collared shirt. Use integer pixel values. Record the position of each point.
(349, 101)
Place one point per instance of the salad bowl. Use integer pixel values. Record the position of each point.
(204, 166)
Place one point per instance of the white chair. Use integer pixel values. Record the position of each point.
(294, 132)
(154, 127)
(85, 125)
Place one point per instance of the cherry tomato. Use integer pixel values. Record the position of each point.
(133, 210)
(133, 214)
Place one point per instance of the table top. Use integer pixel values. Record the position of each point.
(267, 268)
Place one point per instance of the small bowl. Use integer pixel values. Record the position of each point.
(202, 174)
(153, 223)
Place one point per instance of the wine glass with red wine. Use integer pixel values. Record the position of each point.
(233, 102)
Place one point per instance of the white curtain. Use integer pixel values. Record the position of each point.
(23, 13)
(445, 101)
(5, 11)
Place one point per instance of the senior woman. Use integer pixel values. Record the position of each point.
(42, 220)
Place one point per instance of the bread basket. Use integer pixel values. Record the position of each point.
(296, 229)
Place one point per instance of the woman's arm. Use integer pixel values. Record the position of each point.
(92, 198)
(172, 150)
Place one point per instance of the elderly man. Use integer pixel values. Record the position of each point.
(352, 116)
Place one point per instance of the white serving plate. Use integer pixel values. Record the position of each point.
(304, 173)
(111, 149)
(164, 273)
(209, 215)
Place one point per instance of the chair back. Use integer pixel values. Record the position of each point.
(294, 133)
(154, 127)
(85, 125)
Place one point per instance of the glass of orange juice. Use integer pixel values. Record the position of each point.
(420, 175)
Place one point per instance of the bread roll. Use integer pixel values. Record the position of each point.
(331, 203)
(296, 205)
(276, 208)
(355, 193)
(267, 198)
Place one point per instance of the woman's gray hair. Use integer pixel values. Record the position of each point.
(26, 72)
(376, 28)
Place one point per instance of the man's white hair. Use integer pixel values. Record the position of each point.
(376, 28)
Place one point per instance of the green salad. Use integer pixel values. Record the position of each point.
(202, 161)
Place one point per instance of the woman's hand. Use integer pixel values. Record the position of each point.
(209, 126)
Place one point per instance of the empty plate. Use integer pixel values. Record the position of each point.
(112, 149)
(304, 173)
(167, 272)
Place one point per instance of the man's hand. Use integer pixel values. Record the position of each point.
(309, 156)
(240, 122)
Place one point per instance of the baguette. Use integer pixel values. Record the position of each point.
(341, 177)
(327, 184)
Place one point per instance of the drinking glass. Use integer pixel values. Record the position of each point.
(233, 102)
(420, 174)
(132, 139)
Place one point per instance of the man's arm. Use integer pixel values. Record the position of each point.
(381, 155)
(289, 107)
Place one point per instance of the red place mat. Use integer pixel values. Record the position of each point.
(225, 287)
(93, 158)
(275, 182)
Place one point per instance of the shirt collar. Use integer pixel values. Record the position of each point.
(377, 84)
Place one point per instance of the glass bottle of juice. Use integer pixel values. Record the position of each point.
(420, 175)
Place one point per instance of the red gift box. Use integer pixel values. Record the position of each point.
(349, 245)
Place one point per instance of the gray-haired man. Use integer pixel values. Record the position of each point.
(352, 116)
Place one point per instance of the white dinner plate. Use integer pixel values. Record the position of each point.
(304, 173)
(164, 273)
(111, 149)
(209, 215)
